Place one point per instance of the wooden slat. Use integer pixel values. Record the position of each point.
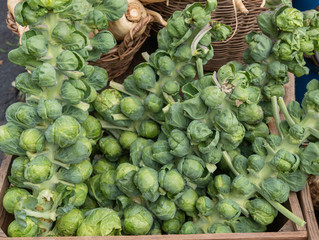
(300, 235)
(309, 213)
(296, 209)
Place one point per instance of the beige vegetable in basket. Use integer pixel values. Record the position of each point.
(134, 14)
(11, 5)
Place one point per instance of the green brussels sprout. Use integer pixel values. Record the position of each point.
(110, 148)
(39, 169)
(284, 127)
(165, 64)
(124, 179)
(214, 156)
(278, 71)
(259, 146)
(108, 185)
(96, 20)
(205, 206)
(295, 111)
(273, 140)
(171, 180)
(187, 201)
(178, 143)
(266, 25)
(22, 115)
(77, 173)
(275, 189)
(95, 192)
(146, 180)
(257, 75)
(222, 183)
(98, 78)
(25, 84)
(137, 151)
(173, 226)
(176, 25)
(77, 113)
(240, 163)
(75, 153)
(250, 113)
(89, 203)
(102, 165)
(220, 32)
(228, 209)
(80, 195)
(219, 228)
(126, 139)
(44, 75)
(149, 129)
(259, 130)
(188, 228)
(144, 76)
(171, 87)
(164, 39)
(49, 109)
(17, 168)
(288, 19)
(297, 132)
(35, 45)
(285, 161)
(10, 138)
(309, 159)
(161, 152)
(72, 91)
(68, 223)
(64, 131)
(32, 140)
(153, 103)
(226, 120)
(103, 41)
(246, 225)
(242, 185)
(188, 72)
(100, 222)
(132, 88)
(69, 61)
(260, 46)
(183, 53)
(256, 162)
(261, 211)
(62, 32)
(163, 208)
(92, 128)
(12, 196)
(175, 116)
(156, 228)
(191, 166)
(311, 18)
(108, 102)
(15, 229)
(137, 220)
(198, 131)
(239, 93)
(132, 108)
(296, 180)
(231, 141)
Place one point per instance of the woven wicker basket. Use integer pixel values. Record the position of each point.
(119, 58)
(224, 51)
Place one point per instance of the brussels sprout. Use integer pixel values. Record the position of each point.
(188, 72)
(214, 156)
(285, 161)
(22, 115)
(89, 203)
(156, 228)
(64, 131)
(295, 111)
(242, 185)
(61, 33)
(15, 229)
(9, 139)
(175, 116)
(183, 53)
(132, 108)
(188, 228)
(191, 166)
(100, 222)
(146, 180)
(153, 103)
(220, 32)
(246, 225)
(219, 228)
(45, 75)
(32, 140)
(260, 46)
(39, 169)
(110, 148)
(102, 166)
(226, 120)
(256, 162)
(297, 132)
(275, 189)
(261, 211)
(137, 220)
(144, 76)
(240, 164)
(77, 113)
(77, 173)
(94, 188)
(68, 223)
(259, 130)
(25, 84)
(222, 183)
(164, 63)
(250, 113)
(17, 168)
(69, 61)
(171, 180)
(178, 143)
(309, 159)
(198, 131)
(205, 206)
(80, 195)
(174, 225)
(75, 153)
(108, 185)
(278, 71)
(12, 196)
(266, 25)
(176, 25)
(98, 78)
(228, 209)
(289, 19)
(96, 20)
(259, 146)
(163, 208)
(149, 129)
(124, 179)
(296, 180)
(92, 128)
(171, 87)
(231, 141)
(161, 152)
(187, 201)
(49, 109)
(127, 138)
(36, 45)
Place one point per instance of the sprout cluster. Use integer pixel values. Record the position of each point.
(183, 152)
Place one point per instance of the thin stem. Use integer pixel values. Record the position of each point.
(119, 87)
(284, 110)
(275, 111)
(229, 163)
(200, 69)
(314, 132)
(198, 37)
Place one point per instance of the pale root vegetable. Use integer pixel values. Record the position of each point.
(134, 14)
(241, 7)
